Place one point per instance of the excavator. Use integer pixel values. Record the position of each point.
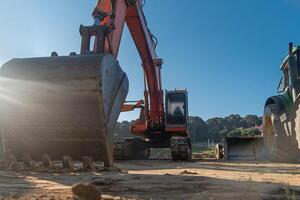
(69, 105)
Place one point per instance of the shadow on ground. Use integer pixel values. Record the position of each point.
(184, 185)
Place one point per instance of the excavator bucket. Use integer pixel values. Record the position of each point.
(66, 105)
(244, 148)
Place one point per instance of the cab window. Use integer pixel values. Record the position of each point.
(176, 113)
(281, 86)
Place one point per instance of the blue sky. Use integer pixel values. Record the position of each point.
(225, 52)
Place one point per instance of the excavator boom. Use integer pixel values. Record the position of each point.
(115, 14)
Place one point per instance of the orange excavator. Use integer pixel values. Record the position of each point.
(69, 105)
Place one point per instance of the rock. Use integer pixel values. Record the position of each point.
(112, 169)
(188, 172)
(85, 191)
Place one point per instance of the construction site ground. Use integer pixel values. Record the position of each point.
(163, 179)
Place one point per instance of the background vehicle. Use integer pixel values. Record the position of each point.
(281, 121)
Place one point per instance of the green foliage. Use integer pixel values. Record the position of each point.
(198, 129)
(235, 133)
(215, 126)
(251, 132)
(207, 152)
(253, 120)
(122, 130)
(233, 126)
(213, 129)
(200, 149)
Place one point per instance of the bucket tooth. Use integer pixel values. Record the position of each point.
(46, 161)
(27, 161)
(10, 162)
(67, 162)
(88, 163)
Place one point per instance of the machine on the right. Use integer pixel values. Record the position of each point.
(280, 140)
(281, 121)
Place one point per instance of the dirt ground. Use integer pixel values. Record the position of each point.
(164, 179)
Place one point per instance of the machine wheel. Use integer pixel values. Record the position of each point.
(219, 151)
(295, 123)
(281, 145)
(181, 148)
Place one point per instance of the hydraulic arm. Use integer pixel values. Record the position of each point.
(157, 123)
(114, 14)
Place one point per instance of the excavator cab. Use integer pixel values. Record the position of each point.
(176, 122)
(174, 137)
(176, 108)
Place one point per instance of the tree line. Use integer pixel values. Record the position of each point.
(213, 129)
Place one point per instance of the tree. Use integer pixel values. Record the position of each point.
(253, 120)
(213, 129)
(250, 132)
(233, 121)
(235, 133)
(198, 129)
(122, 130)
(244, 123)
(215, 126)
